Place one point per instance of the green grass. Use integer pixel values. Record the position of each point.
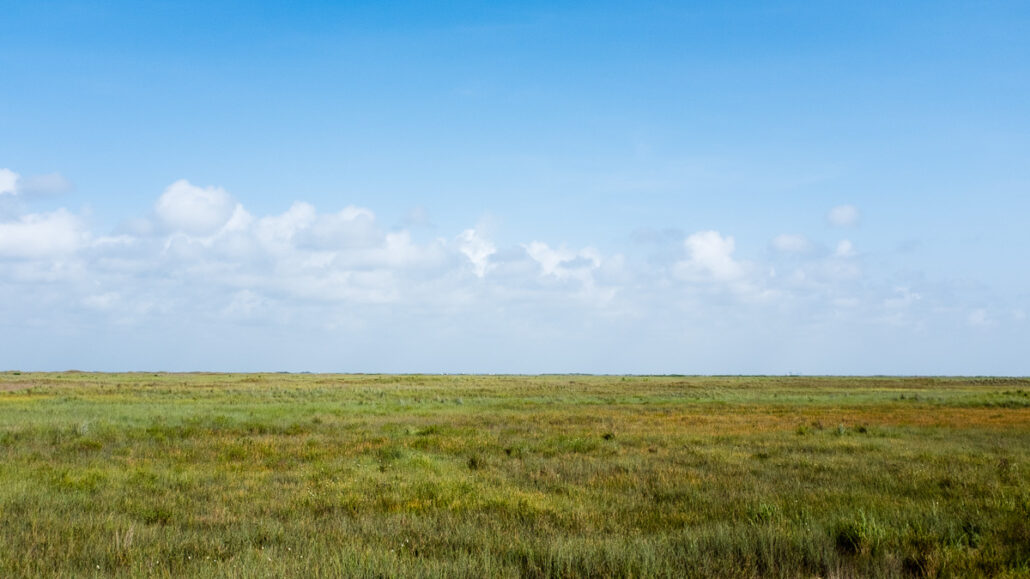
(542, 476)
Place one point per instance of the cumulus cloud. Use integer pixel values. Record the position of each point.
(790, 243)
(477, 249)
(277, 232)
(710, 258)
(352, 227)
(8, 182)
(200, 255)
(583, 275)
(302, 254)
(843, 216)
(194, 210)
(42, 235)
(563, 262)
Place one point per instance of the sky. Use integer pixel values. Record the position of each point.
(520, 187)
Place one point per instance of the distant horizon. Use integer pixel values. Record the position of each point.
(735, 189)
(541, 374)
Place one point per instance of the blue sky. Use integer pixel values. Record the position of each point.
(746, 187)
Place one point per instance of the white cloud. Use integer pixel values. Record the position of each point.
(240, 220)
(582, 274)
(338, 275)
(477, 249)
(8, 182)
(790, 243)
(563, 262)
(42, 235)
(844, 249)
(277, 232)
(194, 210)
(710, 258)
(843, 216)
(350, 228)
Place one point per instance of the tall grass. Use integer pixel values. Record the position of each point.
(539, 476)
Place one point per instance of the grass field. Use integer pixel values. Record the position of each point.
(558, 476)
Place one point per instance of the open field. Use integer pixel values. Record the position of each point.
(326, 475)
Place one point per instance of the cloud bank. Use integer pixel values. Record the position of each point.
(203, 283)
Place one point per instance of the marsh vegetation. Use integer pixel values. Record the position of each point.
(541, 476)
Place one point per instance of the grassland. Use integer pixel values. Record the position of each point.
(544, 476)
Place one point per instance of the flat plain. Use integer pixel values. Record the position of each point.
(273, 475)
